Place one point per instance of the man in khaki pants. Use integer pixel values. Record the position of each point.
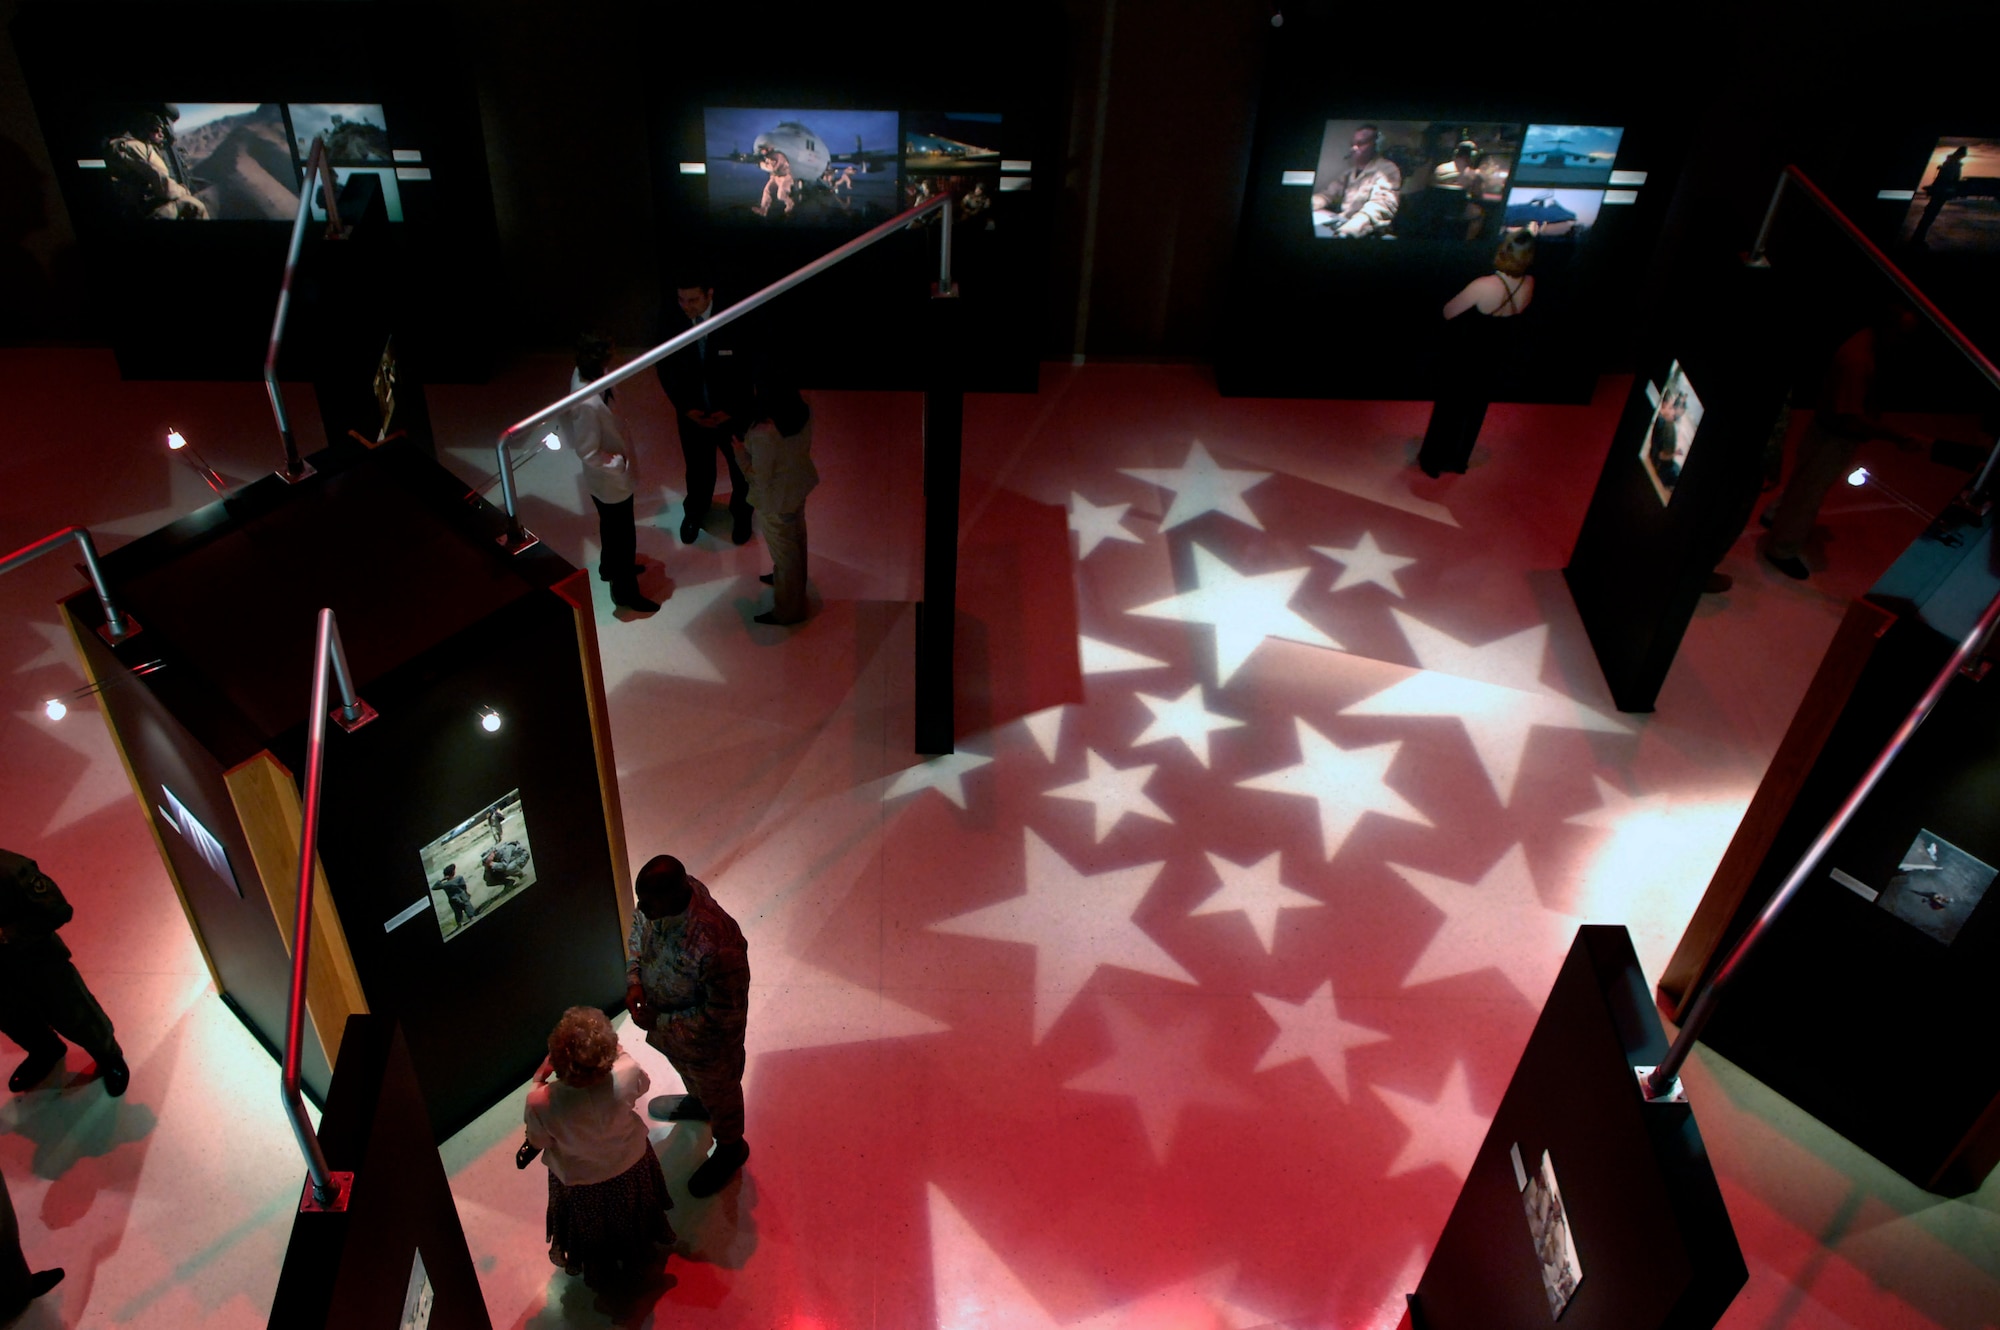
(776, 455)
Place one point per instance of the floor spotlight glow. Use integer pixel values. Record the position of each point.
(1858, 476)
(489, 720)
(55, 709)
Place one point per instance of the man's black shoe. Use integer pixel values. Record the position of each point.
(767, 578)
(1790, 565)
(632, 600)
(34, 1069)
(716, 1171)
(116, 1074)
(689, 530)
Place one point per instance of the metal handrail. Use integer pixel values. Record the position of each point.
(117, 627)
(296, 468)
(1660, 1081)
(329, 656)
(1925, 306)
(517, 538)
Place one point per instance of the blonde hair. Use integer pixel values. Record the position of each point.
(583, 1046)
(1516, 253)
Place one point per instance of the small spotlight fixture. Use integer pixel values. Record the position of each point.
(552, 441)
(55, 709)
(489, 720)
(177, 443)
(1858, 476)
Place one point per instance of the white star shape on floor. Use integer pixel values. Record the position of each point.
(1314, 1030)
(1075, 922)
(1255, 890)
(1345, 782)
(103, 780)
(1097, 657)
(1163, 1070)
(1045, 728)
(1184, 718)
(1200, 486)
(1365, 561)
(945, 774)
(977, 1290)
(1494, 690)
(57, 647)
(1498, 922)
(1447, 1130)
(1094, 525)
(1244, 609)
(1112, 792)
(661, 643)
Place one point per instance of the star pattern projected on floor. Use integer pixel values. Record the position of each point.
(1365, 563)
(1314, 1030)
(1255, 891)
(944, 774)
(1494, 690)
(1202, 485)
(1076, 922)
(1131, 983)
(1346, 784)
(1498, 922)
(1112, 793)
(1184, 718)
(1243, 609)
(1094, 525)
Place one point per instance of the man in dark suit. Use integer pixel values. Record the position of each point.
(43, 999)
(709, 385)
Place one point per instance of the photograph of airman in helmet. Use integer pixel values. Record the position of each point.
(200, 161)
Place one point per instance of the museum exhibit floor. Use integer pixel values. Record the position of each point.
(1177, 997)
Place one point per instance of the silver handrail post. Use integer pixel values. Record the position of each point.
(1659, 1083)
(329, 1190)
(517, 537)
(945, 288)
(296, 467)
(1756, 257)
(117, 627)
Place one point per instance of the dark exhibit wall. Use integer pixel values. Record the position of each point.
(183, 241)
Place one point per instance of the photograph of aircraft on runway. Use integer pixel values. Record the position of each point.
(776, 167)
(1568, 154)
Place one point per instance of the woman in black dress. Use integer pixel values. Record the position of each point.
(1479, 346)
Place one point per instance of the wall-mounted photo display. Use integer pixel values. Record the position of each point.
(1957, 206)
(1568, 154)
(1548, 1228)
(479, 865)
(1430, 180)
(356, 133)
(1553, 214)
(197, 162)
(1936, 888)
(956, 151)
(1663, 448)
(777, 167)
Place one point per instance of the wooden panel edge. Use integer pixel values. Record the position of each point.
(576, 590)
(145, 803)
(268, 808)
(1847, 656)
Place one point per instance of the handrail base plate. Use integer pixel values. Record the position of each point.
(119, 639)
(343, 1191)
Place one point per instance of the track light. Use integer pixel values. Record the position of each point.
(551, 441)
(489, 720)
(177, 443)
(55, 709)
(1858, 476)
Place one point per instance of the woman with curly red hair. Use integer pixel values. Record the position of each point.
(608, 1200)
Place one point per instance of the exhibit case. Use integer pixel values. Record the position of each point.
(1589, 1205)
(1868, 1004)
(473, 879)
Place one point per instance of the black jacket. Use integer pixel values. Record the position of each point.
(725, 370)
(32, 908)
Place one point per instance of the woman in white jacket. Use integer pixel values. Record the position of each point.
(608, 473)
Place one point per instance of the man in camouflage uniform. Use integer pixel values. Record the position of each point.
(688, 987)
(143, 173)
(41, 994)
(1363, 200)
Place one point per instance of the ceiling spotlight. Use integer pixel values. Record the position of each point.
(176, 440)
(551, 442)
(489, 720)
(55, 708)
(1858, 476)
